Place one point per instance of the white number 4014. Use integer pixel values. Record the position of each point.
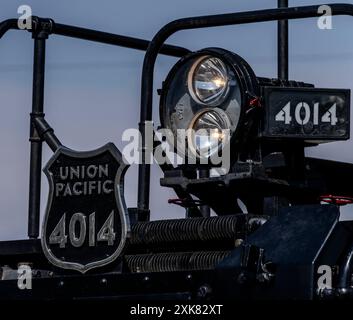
(106, 233)
(302, 114)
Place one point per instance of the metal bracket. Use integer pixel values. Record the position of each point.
(253, 265)
(42, 28)
(34, 135)
(42, 131)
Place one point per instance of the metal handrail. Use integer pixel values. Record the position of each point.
(40, 130)
(97, 36)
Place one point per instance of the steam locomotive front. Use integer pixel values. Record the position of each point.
(239, 139)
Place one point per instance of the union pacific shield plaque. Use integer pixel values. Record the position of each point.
(86, 221)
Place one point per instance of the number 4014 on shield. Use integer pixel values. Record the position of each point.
(303, 114)
(106, 233)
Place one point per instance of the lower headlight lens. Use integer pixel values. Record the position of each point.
(210, 131)
(208, 81)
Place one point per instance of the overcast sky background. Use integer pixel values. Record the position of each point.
(92, 91)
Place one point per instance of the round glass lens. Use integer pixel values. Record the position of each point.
(210, 132)
(209, 81)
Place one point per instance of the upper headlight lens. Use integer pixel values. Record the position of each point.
(208, 81)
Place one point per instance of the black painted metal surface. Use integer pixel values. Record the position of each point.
(294, 242)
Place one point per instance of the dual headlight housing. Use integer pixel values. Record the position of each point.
(205, 100)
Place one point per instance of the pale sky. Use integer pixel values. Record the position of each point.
(92, 91)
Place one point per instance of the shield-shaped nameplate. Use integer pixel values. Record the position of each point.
(86, 223)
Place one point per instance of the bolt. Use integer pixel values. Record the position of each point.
(204, 291)
(263, 277)
(103, 281)
(242, 278)
(61, 284)
(36, 273)
(238, 242)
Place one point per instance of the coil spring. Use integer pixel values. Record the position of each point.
(168, 262)
(195, 229)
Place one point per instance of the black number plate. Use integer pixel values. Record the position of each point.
(307, 113)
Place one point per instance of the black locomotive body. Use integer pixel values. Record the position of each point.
(276, 232)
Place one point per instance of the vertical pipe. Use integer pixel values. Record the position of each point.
(283, 44)
(144, 176)
(295, 155)
(36, 142)
(146, 150)
(205, 210)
